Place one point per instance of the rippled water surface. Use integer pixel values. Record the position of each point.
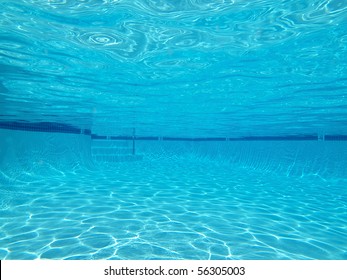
(185, 67)
(198, 210)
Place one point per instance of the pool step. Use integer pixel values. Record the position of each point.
(107, 151)
(113, 151)
(117, 158)
(112, 143)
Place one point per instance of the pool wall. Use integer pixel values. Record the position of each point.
(23, 153)
(326, 159)
(26, 152)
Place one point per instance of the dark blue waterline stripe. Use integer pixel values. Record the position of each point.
(65, 128)
(150, 138)
(335, 138)
(121, 137)
(102, 137)
(41, 127)
(210, 139)
(95, 136)
(278, 138)
(214, 139)
(176, 139)
(86, 132)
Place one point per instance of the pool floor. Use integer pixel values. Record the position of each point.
(173, 208)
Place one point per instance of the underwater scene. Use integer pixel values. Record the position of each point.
(173, 130)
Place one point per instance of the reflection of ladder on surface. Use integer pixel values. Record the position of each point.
(113, 151)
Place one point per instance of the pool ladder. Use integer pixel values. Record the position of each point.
(321, 137)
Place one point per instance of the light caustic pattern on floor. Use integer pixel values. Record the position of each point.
(176, 208)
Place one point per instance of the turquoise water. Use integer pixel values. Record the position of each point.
(184, 68)
(124, 125)
(198, 210)
(61, 199)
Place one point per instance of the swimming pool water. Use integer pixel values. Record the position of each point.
(173, 129)
(176, 68)
(179, 201)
